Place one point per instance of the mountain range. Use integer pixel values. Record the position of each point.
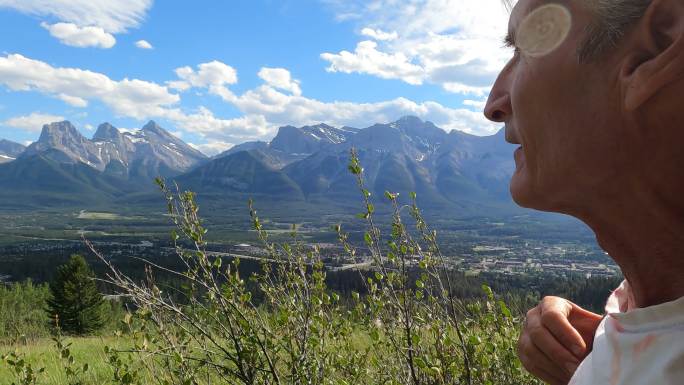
(308, 164)
(10, 150)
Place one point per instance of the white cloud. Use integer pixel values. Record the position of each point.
(88, 127)
(266, 107)
(460, 88)
(263, 109)
(113, 16)
(75, 36)
(128, 97)
(237, 130)
(280, 78)
(368, 60)
(143, 44)
(73, 100)
(212, 148)
(478, 104)
(33, 122)
(378, 34)
(85, 23)
(452, 43)
(213, 75)
(281, 109)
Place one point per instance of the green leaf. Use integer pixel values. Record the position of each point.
(475, 340)
(375, 335)
(488, 291)
(504, 309)
(355, 169)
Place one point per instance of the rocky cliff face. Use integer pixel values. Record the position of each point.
(309, 139)
(402, 156)
(146, 152)
(300, 163)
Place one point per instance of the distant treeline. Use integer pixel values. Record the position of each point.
(24, 302)
(24, 316)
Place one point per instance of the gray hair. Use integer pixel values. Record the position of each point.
(613, 18)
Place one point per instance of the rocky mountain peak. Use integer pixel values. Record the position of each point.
(322, 126)
(153, 127)
(106, 131)
(409, 120)
(293, 140)
(10, 148)
(412, 125)
(145, 153)
(60, 132)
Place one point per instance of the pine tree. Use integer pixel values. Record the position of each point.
(76, 303)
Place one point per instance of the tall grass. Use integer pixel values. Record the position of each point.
(283, 325)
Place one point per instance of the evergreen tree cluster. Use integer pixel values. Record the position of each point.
(76, 305)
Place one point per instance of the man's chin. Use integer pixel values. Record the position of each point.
(530, 196)
(522, 192)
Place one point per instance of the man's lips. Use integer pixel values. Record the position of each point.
(519, 156)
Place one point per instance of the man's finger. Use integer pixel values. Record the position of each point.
(554, 317)
(585, 322)
(538, 364)
(551, 378)
(554, 350)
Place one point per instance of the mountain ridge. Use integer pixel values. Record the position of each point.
(10, 150)
(309, 163)
(140, 153)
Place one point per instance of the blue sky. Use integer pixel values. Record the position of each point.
(218, 73)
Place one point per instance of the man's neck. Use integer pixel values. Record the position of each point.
(646, 240)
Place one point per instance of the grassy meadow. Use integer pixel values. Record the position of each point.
(43, 353)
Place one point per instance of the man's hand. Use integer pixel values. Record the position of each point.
(557, 335)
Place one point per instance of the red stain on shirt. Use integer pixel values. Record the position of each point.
(643, 345)
(615, 363)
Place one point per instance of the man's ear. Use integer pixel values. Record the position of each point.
(656, 56)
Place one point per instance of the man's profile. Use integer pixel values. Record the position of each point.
(599, 121)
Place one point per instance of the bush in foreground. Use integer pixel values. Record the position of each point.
(23, 318)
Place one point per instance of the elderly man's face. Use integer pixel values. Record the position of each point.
(557, 109)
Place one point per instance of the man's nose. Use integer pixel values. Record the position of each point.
(498, 108)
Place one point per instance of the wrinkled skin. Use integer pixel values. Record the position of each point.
(557, 335)
(602, 141)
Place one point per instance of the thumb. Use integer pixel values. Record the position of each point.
(585, 322)
(556, 317)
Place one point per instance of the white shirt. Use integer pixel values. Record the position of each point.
(636, 346)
